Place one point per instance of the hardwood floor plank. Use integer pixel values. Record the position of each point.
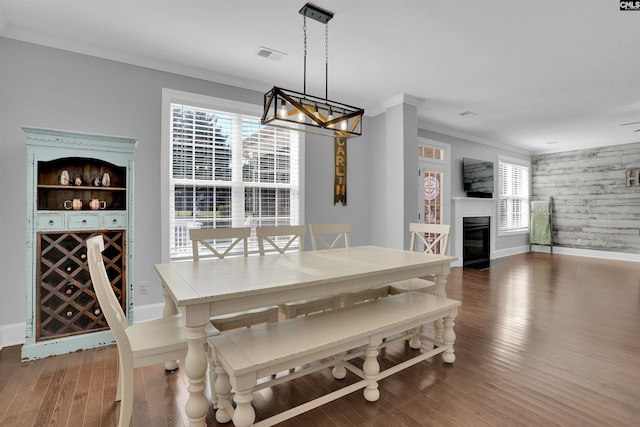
(80, 394)
(60, 413)
(52, 392)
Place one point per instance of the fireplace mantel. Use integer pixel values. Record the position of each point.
(471, 206)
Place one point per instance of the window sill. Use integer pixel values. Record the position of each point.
(519, 231)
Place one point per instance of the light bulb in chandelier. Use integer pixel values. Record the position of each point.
(283, 110)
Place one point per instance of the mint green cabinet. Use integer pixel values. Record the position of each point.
(78, 185)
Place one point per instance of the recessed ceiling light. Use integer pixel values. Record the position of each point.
(552, 142)
(467, 114)
(269, 53)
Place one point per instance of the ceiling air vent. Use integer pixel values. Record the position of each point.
(268, 53)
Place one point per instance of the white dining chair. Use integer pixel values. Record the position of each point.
(321, 234)
(431, 239)
(143, 344)
(330, 236)
(283, 239)
(220, 242)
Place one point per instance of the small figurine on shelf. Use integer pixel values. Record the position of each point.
(64, 178)
(78, 181)
(96, 181)
(106, 180)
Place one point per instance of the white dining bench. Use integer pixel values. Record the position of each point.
(319, 341)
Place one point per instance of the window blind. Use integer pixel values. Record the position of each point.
(513, 196)
(228, 170)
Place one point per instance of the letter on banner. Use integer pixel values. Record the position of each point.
(340, 181)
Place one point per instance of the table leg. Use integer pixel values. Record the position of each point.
(169, 310)
(195, 366)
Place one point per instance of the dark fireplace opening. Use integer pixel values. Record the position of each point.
(475, 242)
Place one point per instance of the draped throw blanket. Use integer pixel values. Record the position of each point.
(540, 227)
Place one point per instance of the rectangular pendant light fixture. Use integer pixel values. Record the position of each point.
(302, 112)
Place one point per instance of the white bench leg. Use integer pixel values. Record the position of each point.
(414, 339)
(339, 371)
(449, 337)
(371, 369)
(244, 415)
(212, 377)
(223, 393)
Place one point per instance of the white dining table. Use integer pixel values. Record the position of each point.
(207, 288)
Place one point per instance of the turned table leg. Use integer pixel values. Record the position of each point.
(441, 283)
(169, 310)
(195, 366)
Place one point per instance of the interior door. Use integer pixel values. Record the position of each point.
(433, 182)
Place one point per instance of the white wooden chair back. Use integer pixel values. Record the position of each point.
(322, 232)
(270, 234)
(204, 236)
(433, 237)
(106, 297)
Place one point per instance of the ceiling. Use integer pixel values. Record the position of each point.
(540, 75)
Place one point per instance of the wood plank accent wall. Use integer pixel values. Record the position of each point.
(592, 206)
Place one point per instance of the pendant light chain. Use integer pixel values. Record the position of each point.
(304, 31)
(326, 61)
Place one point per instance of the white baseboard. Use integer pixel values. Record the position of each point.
(619, 256)
(144, 313)
(501, 253)
(14, 334)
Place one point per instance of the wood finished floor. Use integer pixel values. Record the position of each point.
(541, 341)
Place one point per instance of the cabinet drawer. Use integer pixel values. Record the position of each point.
(114, 220)
(50, 221)
(82, 221)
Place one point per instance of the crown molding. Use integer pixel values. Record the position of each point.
(476, 139)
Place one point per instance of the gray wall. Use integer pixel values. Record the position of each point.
(51, 88)
(592, 207)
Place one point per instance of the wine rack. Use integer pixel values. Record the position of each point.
(68, 303)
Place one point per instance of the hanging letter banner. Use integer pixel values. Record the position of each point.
(340, 180)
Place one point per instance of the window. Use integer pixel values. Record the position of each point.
(513, 177)
(227, 170)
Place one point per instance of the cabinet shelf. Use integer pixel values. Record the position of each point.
(80, 187)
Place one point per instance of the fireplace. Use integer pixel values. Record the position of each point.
(476, 239)
(465, 207)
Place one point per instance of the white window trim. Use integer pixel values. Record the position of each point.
(170, 96)
(519, 162)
